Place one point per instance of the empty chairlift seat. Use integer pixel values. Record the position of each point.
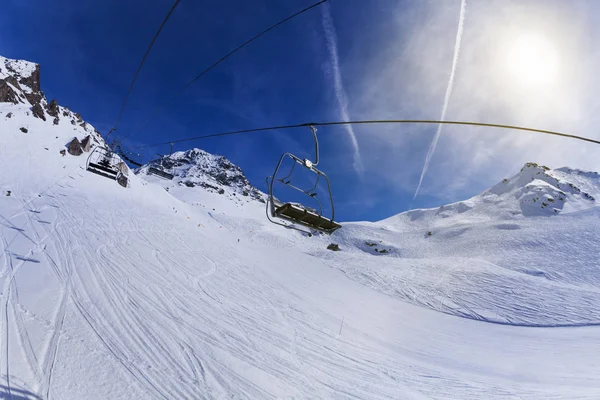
(160, 173)
(102, 161)
(295, 215)
(306, 217)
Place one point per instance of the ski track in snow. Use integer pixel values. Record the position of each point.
(114, 293)
(132, 322)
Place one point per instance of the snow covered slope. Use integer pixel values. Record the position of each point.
(206, 180)
(520, 253)
(112, 293)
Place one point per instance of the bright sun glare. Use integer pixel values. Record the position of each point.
(532, 59)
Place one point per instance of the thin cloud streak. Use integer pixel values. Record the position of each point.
(340, 93)
(459, 32)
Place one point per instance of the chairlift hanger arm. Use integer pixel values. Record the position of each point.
(314, 132)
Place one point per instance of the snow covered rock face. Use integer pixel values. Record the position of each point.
(196, 167)
(20, 85)
(538, 190)
(535, 191)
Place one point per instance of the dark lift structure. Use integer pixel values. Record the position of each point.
(161, 171)
(104, 162)
(297, 214)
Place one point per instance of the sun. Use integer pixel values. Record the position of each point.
(532, 59)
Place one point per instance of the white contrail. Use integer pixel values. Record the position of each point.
(461, 20)
(340, 93)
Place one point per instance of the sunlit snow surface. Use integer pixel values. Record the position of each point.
(140, 293)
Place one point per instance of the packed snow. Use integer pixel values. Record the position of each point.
(170, 290)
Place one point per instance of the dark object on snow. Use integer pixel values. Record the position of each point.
(8, 192)
(429, 234)
(55, 121)
(298, 214)
(74, 148)
(9, 115)
(63, 152)
(52, 109)
(24, 130)
(38, 111)
(333, 247)
(7, 94)
(86, 143)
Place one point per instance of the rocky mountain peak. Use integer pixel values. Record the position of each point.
(215, 173)
(20, 84)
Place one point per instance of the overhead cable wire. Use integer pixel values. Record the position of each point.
(225, 57)
(382, 121)
(141, 65)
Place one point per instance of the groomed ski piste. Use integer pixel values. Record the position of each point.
(188, 293)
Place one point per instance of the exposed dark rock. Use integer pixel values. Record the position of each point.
(55, 121)
(9, 115)
(78, 116)
(73, 122)
(196, 167)
(38, 111)
(74, 148)
(33, 81)
(7, 94)
(333, 247)
(86, 143)
(52, 108)
(63, 152)
(23, 129)
(13, 81)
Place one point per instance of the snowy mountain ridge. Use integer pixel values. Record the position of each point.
(20, 85)
(535, 190)
(196, 168)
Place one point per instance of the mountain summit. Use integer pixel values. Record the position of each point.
(198, 168)
(20, 85)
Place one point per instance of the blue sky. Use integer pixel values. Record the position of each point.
(356, 59)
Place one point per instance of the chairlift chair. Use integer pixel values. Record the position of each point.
(296, 213)
(160, 171)
(103, 161)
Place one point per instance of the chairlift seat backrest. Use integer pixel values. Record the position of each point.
(160, 173)
(101, 161)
